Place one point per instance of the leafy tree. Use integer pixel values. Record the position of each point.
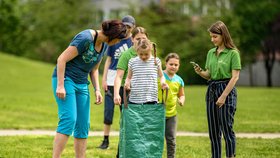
(42, 29)
(9, 21)
(175, 31)
(171, 32)
(255, 18)
(52, 24)
(270, 46)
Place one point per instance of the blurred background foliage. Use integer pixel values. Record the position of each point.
(42, 29)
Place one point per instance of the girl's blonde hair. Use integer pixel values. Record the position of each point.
(147, 45)
(220, 28)
(138, 30)
(171, 56)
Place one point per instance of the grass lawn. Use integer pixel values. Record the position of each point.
(27, 102)
(187, 147)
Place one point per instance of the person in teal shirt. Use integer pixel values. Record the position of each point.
(176, 95)
(70, 83)
(222, 70)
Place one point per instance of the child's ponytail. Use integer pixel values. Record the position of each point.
(155, 53)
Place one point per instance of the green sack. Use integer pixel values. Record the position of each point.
(142, 131)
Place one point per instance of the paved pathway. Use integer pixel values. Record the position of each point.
(116, 133)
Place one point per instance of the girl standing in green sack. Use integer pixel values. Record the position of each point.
(143, 72)
(143, 118)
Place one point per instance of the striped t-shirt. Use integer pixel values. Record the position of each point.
(144, 86)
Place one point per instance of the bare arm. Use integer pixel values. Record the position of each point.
(163, 84)
(94, 76)
(117, 85)
(128, 79)
(235, 76)
(203, 73)
(105, 73)
(68, 54)
(181, 96)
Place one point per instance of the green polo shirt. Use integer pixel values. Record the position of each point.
(123, 61)
(220, 67)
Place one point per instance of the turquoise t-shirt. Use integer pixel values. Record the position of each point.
(175, 84)
(79, 68)
(220, 67)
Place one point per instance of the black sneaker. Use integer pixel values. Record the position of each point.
(104, 145)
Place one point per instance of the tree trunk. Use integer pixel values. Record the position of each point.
(268, 68)
(251, 82)
(269, 62)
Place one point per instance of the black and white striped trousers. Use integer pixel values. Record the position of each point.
(220, 120)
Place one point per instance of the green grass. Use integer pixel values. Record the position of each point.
(187, 147)
(27, 102)
(258, 110)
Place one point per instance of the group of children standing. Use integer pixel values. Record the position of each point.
(138, 70)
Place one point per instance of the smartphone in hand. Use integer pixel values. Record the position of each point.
(195, 66)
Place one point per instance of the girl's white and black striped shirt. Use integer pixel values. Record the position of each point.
(144, 84)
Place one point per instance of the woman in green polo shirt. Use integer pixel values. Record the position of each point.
(222, 72)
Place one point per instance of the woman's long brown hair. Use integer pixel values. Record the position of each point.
(220, 28)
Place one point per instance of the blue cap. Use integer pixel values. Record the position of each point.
(128, 20)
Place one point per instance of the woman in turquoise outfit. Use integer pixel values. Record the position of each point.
(70, 83)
